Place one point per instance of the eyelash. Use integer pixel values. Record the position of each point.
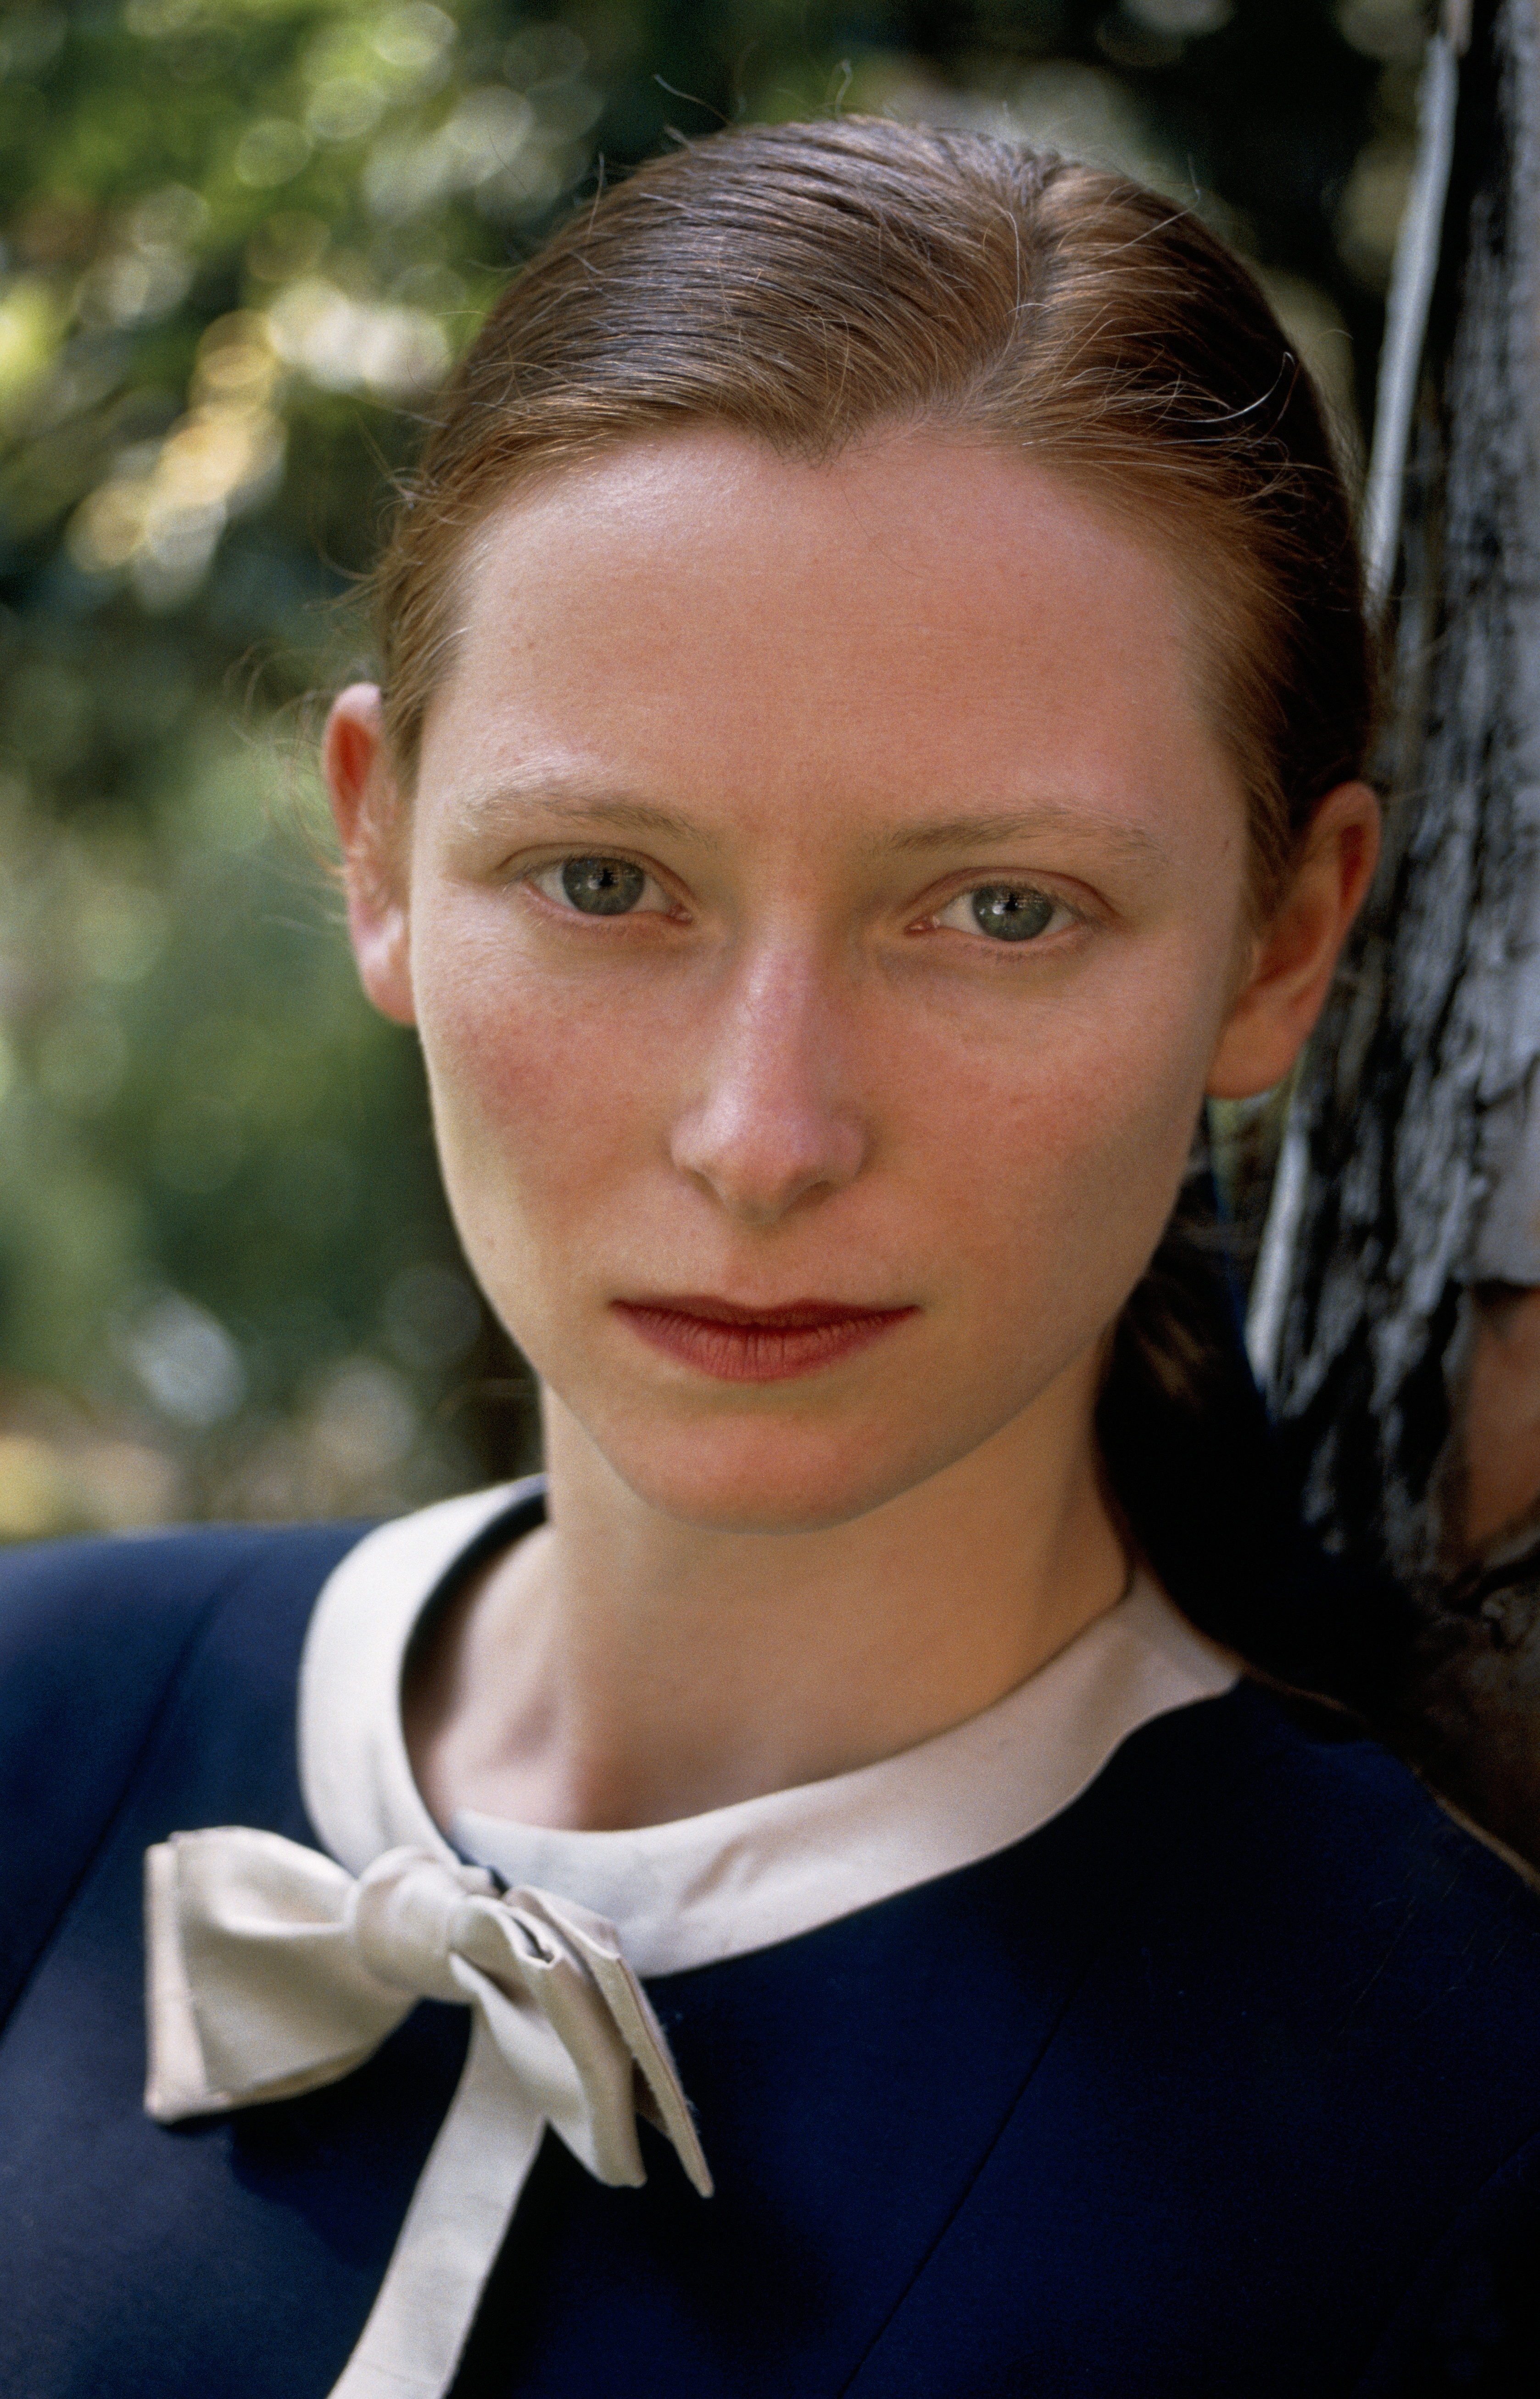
(1059, 909)
(542, 877)
(549, 880)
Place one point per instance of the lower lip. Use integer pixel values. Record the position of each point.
(755, 1352)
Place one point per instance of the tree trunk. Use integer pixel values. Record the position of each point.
(1406, 1374)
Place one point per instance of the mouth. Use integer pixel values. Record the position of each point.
(758, 1345)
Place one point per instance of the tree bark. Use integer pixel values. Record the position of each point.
(1407, 1330)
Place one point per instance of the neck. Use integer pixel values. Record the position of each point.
(619, 1668)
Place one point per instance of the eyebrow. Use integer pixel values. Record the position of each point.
(576, 801)
(982, 831)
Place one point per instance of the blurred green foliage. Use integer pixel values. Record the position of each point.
(240, 241)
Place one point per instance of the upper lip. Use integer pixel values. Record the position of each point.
(789, 1313)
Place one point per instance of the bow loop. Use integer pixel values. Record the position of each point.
(255, 1988)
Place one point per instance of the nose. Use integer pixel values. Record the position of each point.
(770, 1124)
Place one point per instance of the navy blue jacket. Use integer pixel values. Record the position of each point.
(1225, 2084)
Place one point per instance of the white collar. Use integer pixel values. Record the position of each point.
(761, 1871)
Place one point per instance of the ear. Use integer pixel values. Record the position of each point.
(1294, 956)
(370, 821)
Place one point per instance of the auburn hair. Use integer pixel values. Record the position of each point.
(810, 284)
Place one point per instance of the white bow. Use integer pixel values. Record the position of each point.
(272, 1971)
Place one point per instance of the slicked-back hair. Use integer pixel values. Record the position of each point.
(815, 284)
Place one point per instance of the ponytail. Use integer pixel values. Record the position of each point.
(1206, 1490)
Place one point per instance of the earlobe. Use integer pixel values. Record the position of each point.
(366, 807)
(1297, 953)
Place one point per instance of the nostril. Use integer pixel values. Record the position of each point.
(761, 1180)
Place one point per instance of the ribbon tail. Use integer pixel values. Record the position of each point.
(459, 2216)
(660, 2097)
(655, 2089)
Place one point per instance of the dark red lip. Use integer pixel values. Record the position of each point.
(758, 1345)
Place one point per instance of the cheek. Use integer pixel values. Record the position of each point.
(517, 1081)
(536, 1090)
(1056, 1163)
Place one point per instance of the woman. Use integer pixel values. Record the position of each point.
(870, 732)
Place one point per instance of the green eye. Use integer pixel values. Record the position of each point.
(602, 887)
(1009, 913)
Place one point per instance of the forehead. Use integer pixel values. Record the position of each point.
(919, 611)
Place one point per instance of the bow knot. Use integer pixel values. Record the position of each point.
(408, 1913)
(271, 1971)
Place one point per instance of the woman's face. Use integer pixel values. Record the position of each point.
(823, 893)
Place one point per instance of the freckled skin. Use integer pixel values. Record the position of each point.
(799, 1095)
(819, 706)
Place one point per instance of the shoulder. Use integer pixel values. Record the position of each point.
(1323, 1866)
(151, 1587)
(96, 1638)
(92, 1630)
(1354, 1976)
(1333, 1821)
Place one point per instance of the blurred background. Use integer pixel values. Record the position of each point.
(240, 242)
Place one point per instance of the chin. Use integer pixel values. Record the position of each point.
(768, 1486)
